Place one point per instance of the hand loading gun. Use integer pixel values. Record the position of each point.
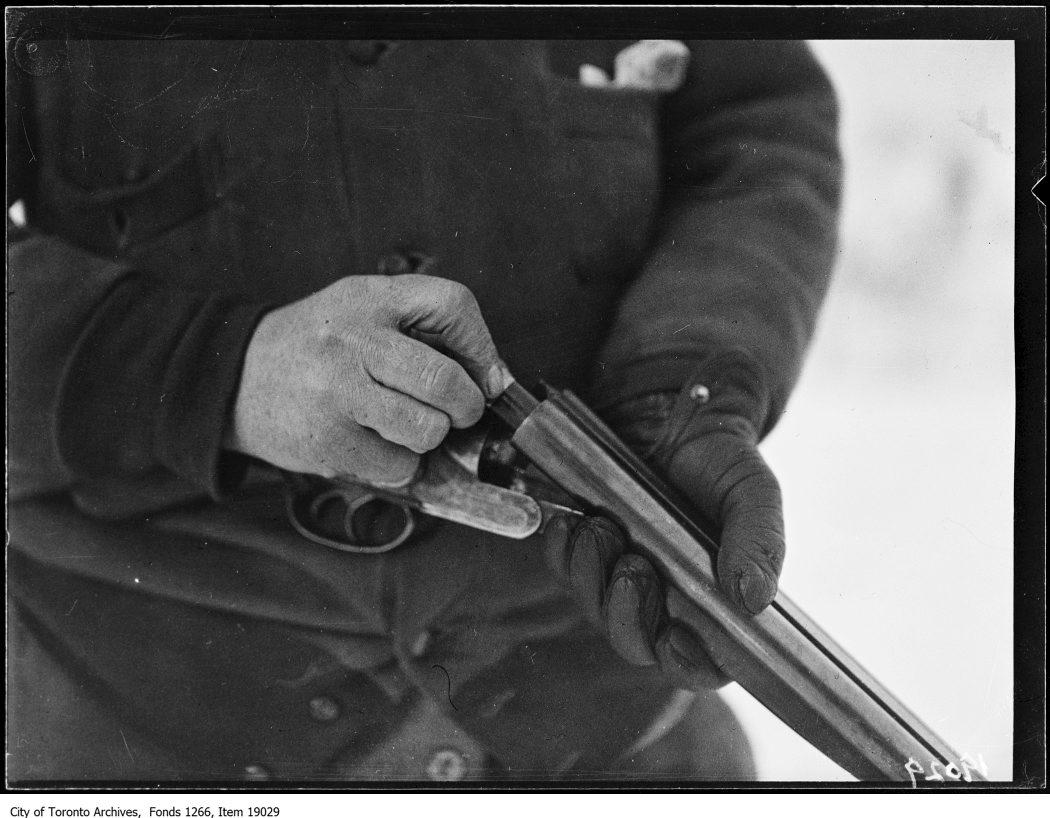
(779, 656)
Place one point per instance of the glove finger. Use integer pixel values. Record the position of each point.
(751, 554)
(557, 539)
(597, 544)
(584, 556)
(729, 482)
(633, 608)
(681, 651)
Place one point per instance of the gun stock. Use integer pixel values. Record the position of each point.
(779, 656)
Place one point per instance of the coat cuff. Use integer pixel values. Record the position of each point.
(726, 382)
(151, 381)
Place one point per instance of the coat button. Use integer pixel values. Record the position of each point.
(447, 765)
(401, 263)
(395, 264)
(256, 772)
(324, 708)
(418, 648)
(365, 52)
(700, 393)
(120, 223)
(134, 172)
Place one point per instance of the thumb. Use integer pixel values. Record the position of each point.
(729, 482)
(449, 312)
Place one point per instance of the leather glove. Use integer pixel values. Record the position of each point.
(703, 441)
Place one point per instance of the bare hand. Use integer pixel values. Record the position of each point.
(336, 384)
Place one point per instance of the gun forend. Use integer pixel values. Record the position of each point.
(779, 656)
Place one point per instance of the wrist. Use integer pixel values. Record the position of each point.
(724, 394)
(240, 434)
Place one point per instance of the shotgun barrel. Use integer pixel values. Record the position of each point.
(779, 656)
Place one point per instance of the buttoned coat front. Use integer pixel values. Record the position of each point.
(177, 189)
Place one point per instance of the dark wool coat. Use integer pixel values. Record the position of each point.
(168, 621)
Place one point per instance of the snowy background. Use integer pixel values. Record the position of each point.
(896, 452)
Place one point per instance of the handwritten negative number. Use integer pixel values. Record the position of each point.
(950, 771)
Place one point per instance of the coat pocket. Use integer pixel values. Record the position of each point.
(175, 222)
(110, 219)
(610, 137)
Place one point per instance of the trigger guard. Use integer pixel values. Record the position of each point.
(351, 544)
(357, 505)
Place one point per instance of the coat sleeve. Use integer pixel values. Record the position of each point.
(745, 238)
(112, 372)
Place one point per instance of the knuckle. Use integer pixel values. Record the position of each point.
(437, 375)
(374, 350)
(428, 430)
(748, 481)
(396, 288)
(416, 427)
(377, 296)
(601, 538)
(470, 406)
(772, 487)
(359, 407)
(412, 285)
(759, 482)
(459, 297)
(342, 288)
(354, 294)
(436, 430)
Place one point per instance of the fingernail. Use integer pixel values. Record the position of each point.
(756, 591)
(496, 381)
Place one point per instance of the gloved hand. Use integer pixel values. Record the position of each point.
(339, 384)
(703, 441)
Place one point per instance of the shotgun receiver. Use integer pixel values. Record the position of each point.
(779, 656)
